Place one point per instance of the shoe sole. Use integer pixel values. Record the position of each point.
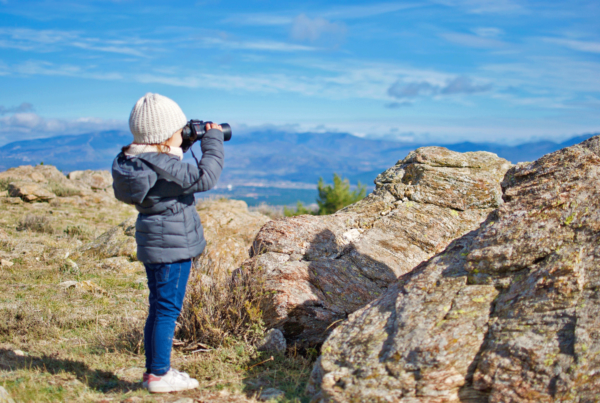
(158, 389)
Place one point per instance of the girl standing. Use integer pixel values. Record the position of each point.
(150, 175)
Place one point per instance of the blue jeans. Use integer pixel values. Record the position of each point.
(167, 283)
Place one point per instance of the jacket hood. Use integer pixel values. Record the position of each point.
(132, 179)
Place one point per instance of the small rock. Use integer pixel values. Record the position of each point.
(273, 341)
(270, 393)
(5, 396)
(68, 284)
(120, 263)
(30, 191)
(6, 263)
(184, 400)
(19, 353)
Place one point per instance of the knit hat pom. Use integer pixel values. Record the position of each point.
(154, 119)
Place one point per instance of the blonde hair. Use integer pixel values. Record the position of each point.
(162, 147)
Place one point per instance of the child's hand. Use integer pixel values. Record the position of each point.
(213, 126)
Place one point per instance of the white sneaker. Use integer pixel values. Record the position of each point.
(172, 381)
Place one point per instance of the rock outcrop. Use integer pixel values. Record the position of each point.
(507, 313)
(319, 269)
(96, 180)
(43, 183)
(30, 191)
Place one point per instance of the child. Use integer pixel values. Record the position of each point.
(150, 175)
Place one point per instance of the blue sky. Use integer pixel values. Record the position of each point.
(505, 71)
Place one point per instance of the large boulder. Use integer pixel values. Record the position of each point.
(507, 313)
(320, 269)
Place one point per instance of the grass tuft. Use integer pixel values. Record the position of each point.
(63, 191)
(35, 223)
(220, 309)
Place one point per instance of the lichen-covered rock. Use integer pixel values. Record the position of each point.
(96, 180)
(319, 269)
(229, 229)
(507, 313)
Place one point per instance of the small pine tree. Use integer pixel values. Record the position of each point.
(338, 196)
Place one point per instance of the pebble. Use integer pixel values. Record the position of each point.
(19, 353)
(6, 263)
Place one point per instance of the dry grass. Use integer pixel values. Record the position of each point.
(85, 344)
(220, 309)
(63, 191)
(37, 223)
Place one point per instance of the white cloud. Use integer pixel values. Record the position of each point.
(488, 32)
(582, 46)
(48, 40)
(473, 41)
(271, 46)
(29, 125)
(307, 29)
(457, 85)
(258, 19)
(464, 85)
(369, 10)
(335, 13)
(44, 68)
(486, 6)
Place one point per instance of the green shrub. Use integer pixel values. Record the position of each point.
(300, 210)
(333, 198)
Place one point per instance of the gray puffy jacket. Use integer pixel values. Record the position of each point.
(162, 188)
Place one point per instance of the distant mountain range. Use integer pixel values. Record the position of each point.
(264, 158)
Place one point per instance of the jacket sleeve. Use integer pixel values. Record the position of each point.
(203, 177)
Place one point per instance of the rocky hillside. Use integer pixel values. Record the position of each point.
(320, 269)
(506, 313)
(74, 298)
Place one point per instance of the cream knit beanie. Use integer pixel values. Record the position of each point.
(154, 119)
